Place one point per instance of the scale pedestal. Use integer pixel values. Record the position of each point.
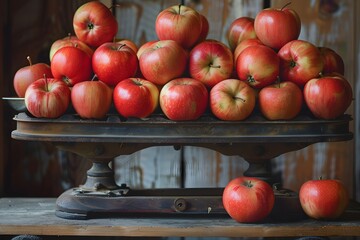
(255, 139)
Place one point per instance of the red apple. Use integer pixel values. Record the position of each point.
(324, 198)
(183, 99)
(47, 98)
(69, 41)
(210, 62)
(91, 99)
(136, 97)
(94, 24)
(179, 23)
(232, 100)
(280, 101)
(162, 61)
(144, 46)
(204, 29)
(300, 61)
(244, 44)
(248, 199)
(29, 74)
(276, 27)
(114, 62)
(258, 66)
(333, 62)
(328, 97)
(240, 29)
(72, 65)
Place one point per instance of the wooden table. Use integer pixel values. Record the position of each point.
(36, 216)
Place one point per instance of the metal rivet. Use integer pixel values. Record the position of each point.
(180, 204)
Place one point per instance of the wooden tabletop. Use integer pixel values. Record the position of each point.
(36, 216)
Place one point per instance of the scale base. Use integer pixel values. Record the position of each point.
(201, 202)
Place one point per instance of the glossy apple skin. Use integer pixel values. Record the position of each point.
(47, 98)
(328, 97)
(210, 62)
(114, 62)
(183, 99)
(91, 99)
(179, 23)
(136, 97)
(324, 198)
(300, 61)
(72, 65)
(69, 41)
(333, 62)
(29, 74)
(204, 29)
(95, 24)
(276, 27)
(163, 61)
(232, 100)
(258, 66)
(248, 199)
(240, 29)
(244, 44)
(280, 101)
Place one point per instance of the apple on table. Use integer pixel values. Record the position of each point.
(91, 99)
(248, 199)
(210, 62)
(162, 61)
(259, 66)
(94, 24)
(180, 23)
(300, 61)
(183, 99)
(280, 101)
(69, 41)
(29, 74)
(240, 29)
(324, 198)
(72, 65)
(136, 97)
(232, 100)
(328, 97)
(113, 62)
(47, 98)
(276, 27)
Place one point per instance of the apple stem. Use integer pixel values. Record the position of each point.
(251, 79)
(292, 64)
(179, 8)
(238, 98)
(93, 78)
(121, 45)
(69, 36)
(214, 66)
(285, 5)
(29, 60)
(248, 184)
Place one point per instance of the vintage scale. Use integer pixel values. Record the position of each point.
(100, 141)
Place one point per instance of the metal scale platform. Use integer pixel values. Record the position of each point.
(100, 141)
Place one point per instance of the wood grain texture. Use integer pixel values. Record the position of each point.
(36, 216)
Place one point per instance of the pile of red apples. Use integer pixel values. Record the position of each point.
(264, 65)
